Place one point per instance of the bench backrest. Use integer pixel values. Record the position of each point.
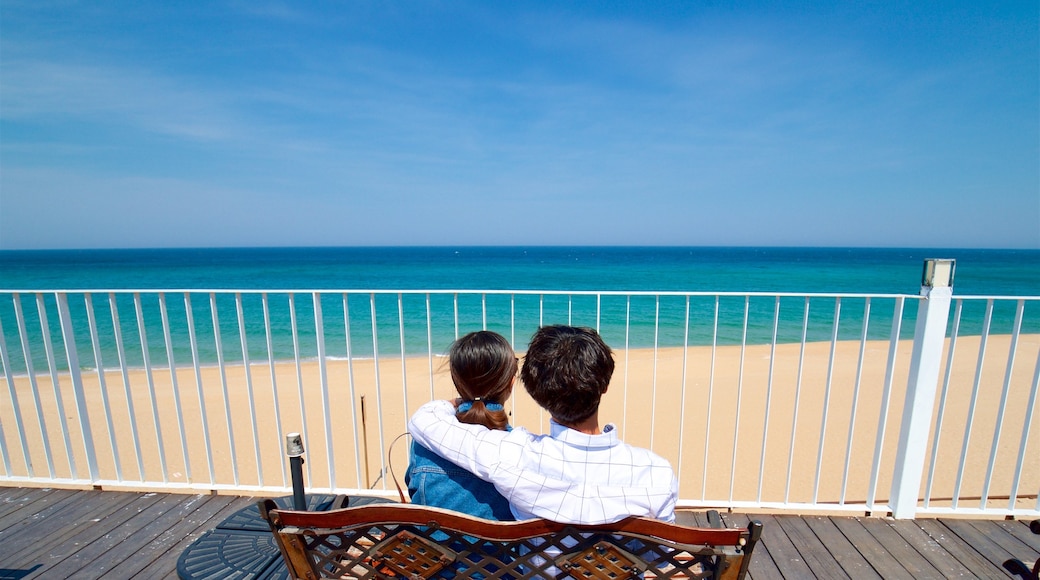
(410, 541)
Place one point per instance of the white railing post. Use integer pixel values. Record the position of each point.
(925, 361)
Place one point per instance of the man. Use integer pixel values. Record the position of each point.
(579, 473)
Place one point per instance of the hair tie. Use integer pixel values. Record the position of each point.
(467, 405)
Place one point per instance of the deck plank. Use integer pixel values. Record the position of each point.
(1020, 529)
(871, 549)
(90, 531)
(61, 524)
(198, 512)
(850, 545)
(900, 549)
(112, 545)
(815, 552)
(33, 506)
(102, 534)
(165, 565)
(967, 558)
(762, 566)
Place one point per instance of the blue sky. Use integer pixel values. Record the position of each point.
(252, 123)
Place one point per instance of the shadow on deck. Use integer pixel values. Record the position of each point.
(56, 533)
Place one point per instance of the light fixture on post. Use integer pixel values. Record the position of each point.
(294, 449)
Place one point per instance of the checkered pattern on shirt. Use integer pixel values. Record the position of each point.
(565, 476)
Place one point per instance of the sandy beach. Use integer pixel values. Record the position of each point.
(691, 409)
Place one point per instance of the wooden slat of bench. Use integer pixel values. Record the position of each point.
(505, 531)
(843, 549)
(168, 561)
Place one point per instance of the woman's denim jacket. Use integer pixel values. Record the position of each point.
(435, 481)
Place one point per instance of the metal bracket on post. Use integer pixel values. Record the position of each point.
(929, 338)
(294, 449)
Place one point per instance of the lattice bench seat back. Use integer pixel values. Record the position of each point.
(395, 541)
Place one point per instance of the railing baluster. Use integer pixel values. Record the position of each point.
(628, 327)
(941, 413)
(969, 422)
(125, 372)
(827, 398)
(197, 368)
(299, 372)
(1027, 424)
(769, 397)
(249, 386)
(31, 372)
(176, 389)
(682, 386)
(886, 398)
(16, 408)
(404, 365)
(1003, 403)
(429, 343)
(48, 348)
(740, 396)
(379, 385)
(78, 395)
(353, 393)
(711, 393)
(855, 400)
(653, 383)
(224, 384)
(797, 400)
(143, 334)
(274, 382)
(323, 373)
(102, 387)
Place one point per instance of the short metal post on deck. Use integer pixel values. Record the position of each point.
(929, 337)
(294, 449)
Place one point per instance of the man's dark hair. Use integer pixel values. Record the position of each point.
(566, 371)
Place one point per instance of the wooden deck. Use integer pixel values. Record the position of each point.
(53, 533)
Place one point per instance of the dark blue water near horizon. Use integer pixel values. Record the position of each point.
(710, 269)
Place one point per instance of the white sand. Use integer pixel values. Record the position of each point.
(730, 407)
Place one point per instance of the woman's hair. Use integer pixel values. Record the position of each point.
(483, 366)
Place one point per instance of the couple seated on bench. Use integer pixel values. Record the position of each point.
(465, 456)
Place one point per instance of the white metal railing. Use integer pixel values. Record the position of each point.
(760, 400)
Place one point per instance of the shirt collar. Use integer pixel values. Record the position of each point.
(608, 438)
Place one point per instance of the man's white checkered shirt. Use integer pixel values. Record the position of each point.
(566, 476)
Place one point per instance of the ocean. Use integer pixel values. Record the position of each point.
(650, 320)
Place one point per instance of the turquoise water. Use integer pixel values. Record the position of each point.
(651, 320)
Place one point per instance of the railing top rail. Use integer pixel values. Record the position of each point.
(981, 297)
(470, 291)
